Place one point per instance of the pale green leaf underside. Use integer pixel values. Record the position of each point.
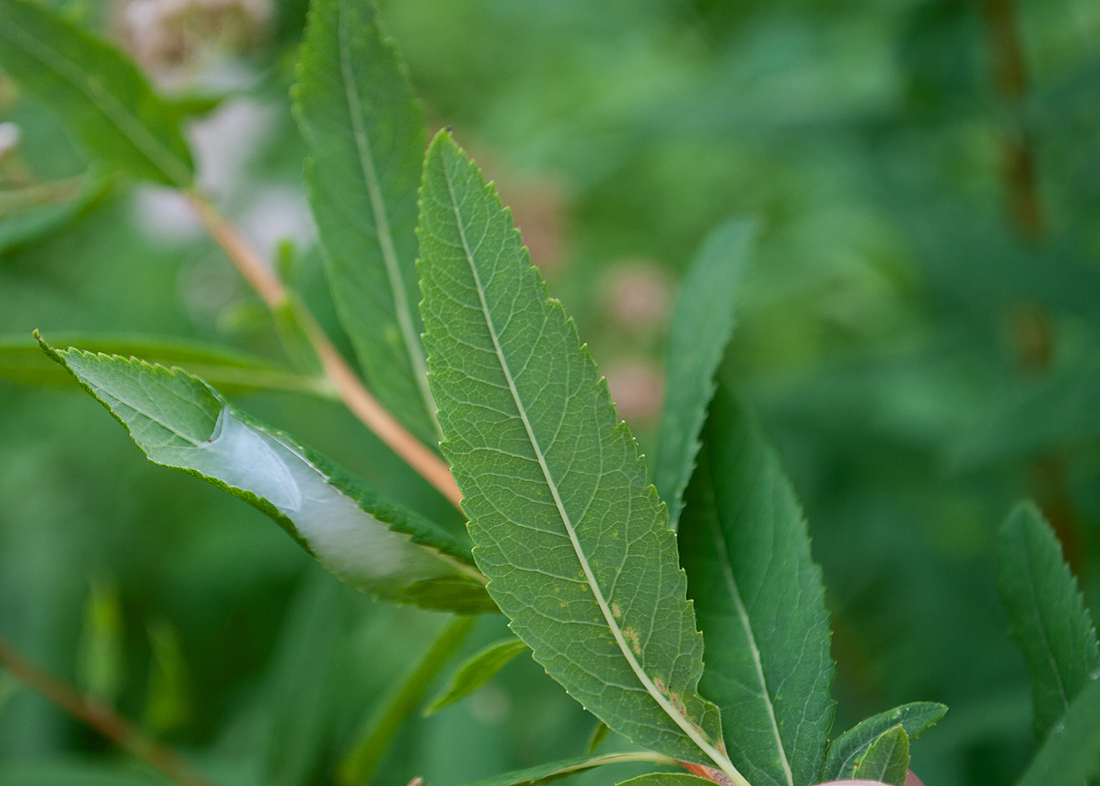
(96, 90)
(1070, 756)
(701, 327)
(478, 669)
(366, 137)
(375, 546)
(22, 361)
(574, 541)
(1048, 615)
(887, 759)
(848, 749)
(556, 770)
(760, 602)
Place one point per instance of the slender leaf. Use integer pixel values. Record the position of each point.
(665, 779)
(475, 672)
(1048, 615)
(599, 734)
(574, 541)
(760, 602)
(1070, 755)
(545, 773)
(97, 91)
(361, 763)
(35, 212)
(372, 544)
(887, 759)
(366, 138)
(701, 327)
(848, 749)
(22, 361)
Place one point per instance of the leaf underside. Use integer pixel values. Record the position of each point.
(1048, 615)
(478, 669)
(760, 602)
(701, 327)
(372, 544)
(887, 759)
(97, 91)
(574, 541)
(848, 749)
(366, 136)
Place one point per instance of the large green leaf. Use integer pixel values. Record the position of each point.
(477, 670)
(22, 360)
(887, 760)
(374, 545)
(1070, 755)
(552, 771)
(847, 750)
(701, 327)
(366, 137)
(1048, 615)
(760, 602)
(96, 90)
(573, 539)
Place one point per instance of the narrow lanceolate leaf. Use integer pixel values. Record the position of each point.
(475, 672)
(847, 750)
(552, 771)
(22, 361)
(701, 329)
(1048, 615)
(760, 602)
(666, 779)
(96, 90)
(574, 541)
(887, 760)
(366, 137)
(366, 541)
(1070, 755)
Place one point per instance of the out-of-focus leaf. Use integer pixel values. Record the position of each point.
(552, 771)
(302, 683)
(599, 734)
(97, 91)
(100, 666)
(701, 327)
(366, 138)
(374, 545)
(475, 672)
(887, 759)
(572, 537)
(361, 762)
(1048, 614)
(1071, 753)
(21, 360)
(846, 751)
(168, 703)
(760, 601)
(73, 774)
(665, 779)
(35, 212)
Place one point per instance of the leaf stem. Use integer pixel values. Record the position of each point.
(336, 370)
(101, 718)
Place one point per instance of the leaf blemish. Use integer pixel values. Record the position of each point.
(637, 647)
(615, 610)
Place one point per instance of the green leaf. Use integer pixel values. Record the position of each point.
(31, 213)
(96, 90)
(599, 734)
(848, 749)
(544, 773)
(366, 135)
(375, 546)
(887, 759)
(72, 774)
(361, 763)
(665, 779)
(22, 361)
(1070, 755)
(760, 602)
(1048, 614)
(701, 327)
(475, 672)
(574, 541)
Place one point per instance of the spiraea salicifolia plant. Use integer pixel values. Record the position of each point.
(676, 600)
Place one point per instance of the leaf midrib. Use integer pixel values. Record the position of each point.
(743, 615)
(620, 640)
(112, 109)
(382, 222)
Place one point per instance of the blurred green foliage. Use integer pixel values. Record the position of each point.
(921, 358)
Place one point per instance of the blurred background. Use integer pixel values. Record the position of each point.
(919, 336)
